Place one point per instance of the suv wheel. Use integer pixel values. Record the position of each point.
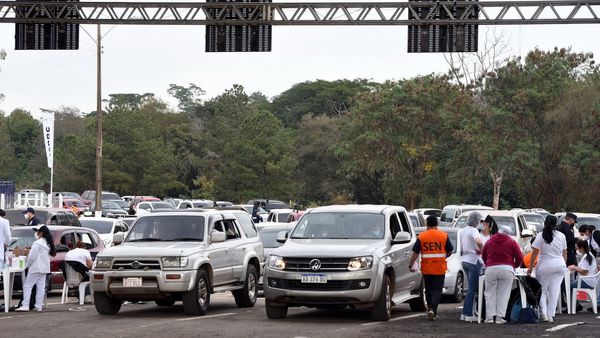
(275, 311)
(196, 301)
(383, 307)
(106, 305)
(419, 304)
(457, 297)
(165, 302)
(246, 296)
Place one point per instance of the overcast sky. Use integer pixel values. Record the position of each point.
(142, 59)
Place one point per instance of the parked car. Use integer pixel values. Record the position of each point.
(268, 237)
(455, 282)
(279, 215)
(109, 209)
(65, 238)
(417, 219)
(451, 213)
(146, 207)
(345, 255)
(69, 195)
(513, 219)
(196, 204)
(133, 204)
(179, 256)
(48, 216)
(264, 214)
(268, 204)
(428, 212)
(90, 195)
(105, 227)
(121, 203)
(534, 220)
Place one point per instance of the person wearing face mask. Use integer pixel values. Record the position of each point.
(566, 228)
(585, 233)
(586, 267)
(489, 227)
(38, 265)
(29, 215)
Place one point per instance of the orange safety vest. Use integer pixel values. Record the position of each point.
(433, 252)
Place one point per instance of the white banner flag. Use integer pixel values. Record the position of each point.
(48, 125)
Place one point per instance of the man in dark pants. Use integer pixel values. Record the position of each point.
(434, 247)
(566, 227)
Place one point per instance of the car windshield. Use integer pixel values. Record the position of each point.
(340, 225)
(162, 205)
(283, 216)
(101, 227)
(595, 221)
(534, 218)
(414, 220)
(71, 194)
(167, 228)
(122, 204)
(21, 238)
(452, 237)
(268, 237)
(508, 222)
(110, 205)
(461, 222)
(202, 204)
(110, 196)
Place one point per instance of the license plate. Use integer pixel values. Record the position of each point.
(313, 278)
(135, 282)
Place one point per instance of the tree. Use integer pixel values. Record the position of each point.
(190, 98)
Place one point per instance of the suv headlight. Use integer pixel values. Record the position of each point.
(102, 263)
(276, 262)
(174, 262)
(360, 263)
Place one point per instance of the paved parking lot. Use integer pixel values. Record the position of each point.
(226, 320)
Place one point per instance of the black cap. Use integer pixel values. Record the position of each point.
(30, 209)
(43, 229)
(2, 213)
(571, 215)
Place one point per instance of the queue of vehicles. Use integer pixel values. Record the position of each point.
(326, 257)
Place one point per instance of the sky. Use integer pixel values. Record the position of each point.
(146, 59)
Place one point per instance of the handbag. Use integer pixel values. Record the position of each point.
(529, 315)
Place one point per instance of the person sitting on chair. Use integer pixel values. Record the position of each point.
(80, 260)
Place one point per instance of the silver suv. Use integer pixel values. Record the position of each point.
(337, 256)
(175, 256)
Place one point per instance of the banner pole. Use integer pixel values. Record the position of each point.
(51, 201)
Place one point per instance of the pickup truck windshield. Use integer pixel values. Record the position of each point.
(167, 228)
(340, 225)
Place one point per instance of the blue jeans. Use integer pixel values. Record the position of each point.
(472, 272)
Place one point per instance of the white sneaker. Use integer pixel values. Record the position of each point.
(22, 309)
(489, 321)
(38, 310)
(550, 320)
(471, 319)
(500, 320)
(543, 318)
(462, 317)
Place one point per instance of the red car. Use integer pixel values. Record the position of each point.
(65, 238)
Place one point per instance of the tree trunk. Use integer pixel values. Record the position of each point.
(497, 179)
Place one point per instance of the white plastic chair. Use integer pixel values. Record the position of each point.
(592, 293)
(73, 280)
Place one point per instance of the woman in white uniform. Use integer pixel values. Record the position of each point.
(551, 246)
(38, 263)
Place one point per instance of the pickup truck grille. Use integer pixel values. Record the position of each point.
(327, 264)
(331, 285)
(136, 265)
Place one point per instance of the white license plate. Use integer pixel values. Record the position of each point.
(313, 278)
(135, 282)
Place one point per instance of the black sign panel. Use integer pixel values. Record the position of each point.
(443, 38)
(238, 38)
(43, 36)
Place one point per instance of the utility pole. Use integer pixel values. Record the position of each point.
(98, 212)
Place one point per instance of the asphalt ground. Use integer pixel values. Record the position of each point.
(224, 319)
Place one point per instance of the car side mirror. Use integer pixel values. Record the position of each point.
(118, 238)
(62, 248)
(217, 236)
(282, 236)
(527, 233)
(401, 238)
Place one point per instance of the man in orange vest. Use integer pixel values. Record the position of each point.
(434, 247)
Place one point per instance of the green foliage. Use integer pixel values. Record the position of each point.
(189, 97)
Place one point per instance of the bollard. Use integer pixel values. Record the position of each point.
(2, 201)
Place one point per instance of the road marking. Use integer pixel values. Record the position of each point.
(394, 319)
(562, 326)
(205, 317)
(1, 318)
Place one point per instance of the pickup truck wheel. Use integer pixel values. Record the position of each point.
(275, 311)
(196, 301)
(246, 297)
(419, 304)
(457, 297)
(383, 307)
(165, 302)
(106, 305)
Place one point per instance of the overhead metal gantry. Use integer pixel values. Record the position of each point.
(298, 14)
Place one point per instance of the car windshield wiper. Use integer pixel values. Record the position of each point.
(185, 239)
(145, 240)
